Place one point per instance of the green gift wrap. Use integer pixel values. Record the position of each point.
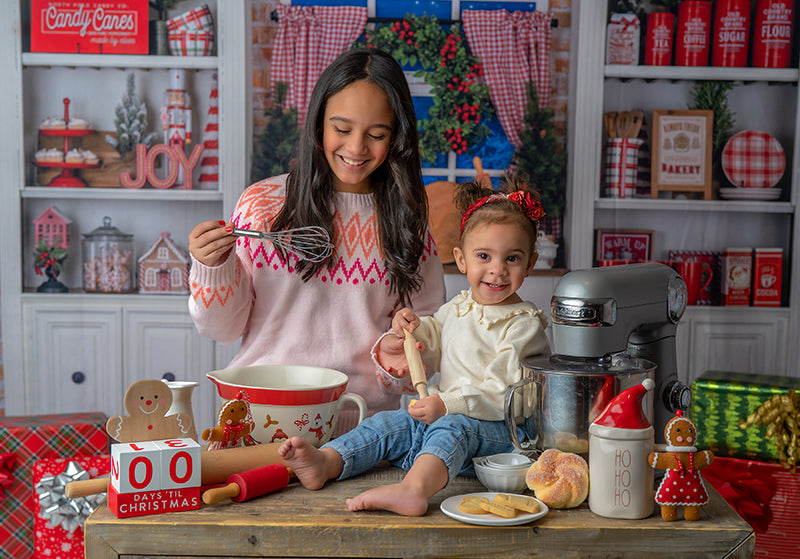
(720, 400)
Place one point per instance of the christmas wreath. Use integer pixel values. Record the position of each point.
(461, 104)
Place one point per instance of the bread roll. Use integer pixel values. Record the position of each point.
(559, 479)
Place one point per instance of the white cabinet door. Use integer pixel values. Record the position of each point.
(73, 359)
(161, 342)
(747, 341)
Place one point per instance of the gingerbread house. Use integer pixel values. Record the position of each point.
(164, 268)
(53, 228)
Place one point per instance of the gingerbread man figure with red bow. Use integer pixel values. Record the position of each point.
(682, 485)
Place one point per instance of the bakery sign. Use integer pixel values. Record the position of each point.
(89, 26)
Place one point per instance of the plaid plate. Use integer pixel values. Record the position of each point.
(191, 43)
(622, 167)
(753, 159)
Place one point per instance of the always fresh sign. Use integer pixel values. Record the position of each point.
(89, 26)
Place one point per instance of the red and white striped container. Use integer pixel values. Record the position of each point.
(658, 42)
(693, 33)
(731, 33)
(772, 33)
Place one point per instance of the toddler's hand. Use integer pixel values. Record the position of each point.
(210, 242)
(427, 410)
(405, 319)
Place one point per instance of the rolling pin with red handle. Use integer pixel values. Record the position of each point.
(216, 466)
(415, 366)
(250, 484)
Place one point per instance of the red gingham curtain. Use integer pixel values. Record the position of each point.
(309, 39)
(514, 48)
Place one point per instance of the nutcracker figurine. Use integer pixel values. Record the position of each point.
(176, 115)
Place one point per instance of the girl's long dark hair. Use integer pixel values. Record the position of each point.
(398, 191)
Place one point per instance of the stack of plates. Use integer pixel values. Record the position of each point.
(750, 193)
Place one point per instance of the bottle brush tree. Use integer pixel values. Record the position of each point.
(275, 146)
(130, 120)
(540, 156)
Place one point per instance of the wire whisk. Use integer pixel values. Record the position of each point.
(310, 243)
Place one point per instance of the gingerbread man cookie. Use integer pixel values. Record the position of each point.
(682, 485)
(147, 403)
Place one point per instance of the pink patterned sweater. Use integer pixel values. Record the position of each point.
(330, 321)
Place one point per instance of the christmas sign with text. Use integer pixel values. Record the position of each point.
(89, 26)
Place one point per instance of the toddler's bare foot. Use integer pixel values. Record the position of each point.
(307, 462)
(395, 498)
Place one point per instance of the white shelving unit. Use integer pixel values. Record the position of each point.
(747, 339)
(110, 340)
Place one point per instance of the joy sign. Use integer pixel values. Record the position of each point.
(146, 166)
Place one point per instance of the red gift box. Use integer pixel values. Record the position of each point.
(58, 541)
(89, 26)
(767, 496)
(33, 438)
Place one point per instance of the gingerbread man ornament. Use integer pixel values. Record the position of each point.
(147, 403)
(682, 485)
(234, 425)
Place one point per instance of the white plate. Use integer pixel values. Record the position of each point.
(450, 507)
(750, 193)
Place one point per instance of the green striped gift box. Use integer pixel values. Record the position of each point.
(721, 399)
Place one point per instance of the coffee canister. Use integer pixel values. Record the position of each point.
(731, 33)
(693, 33)
(658, 42)
(772, 33)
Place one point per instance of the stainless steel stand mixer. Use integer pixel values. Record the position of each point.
(612, 327)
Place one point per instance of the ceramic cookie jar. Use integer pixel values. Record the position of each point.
(620, 441)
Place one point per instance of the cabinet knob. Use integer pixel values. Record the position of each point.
(168, 376)
(78, 377)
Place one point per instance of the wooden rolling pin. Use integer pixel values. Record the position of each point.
(250, 484)
(415, 366)
(216, 466)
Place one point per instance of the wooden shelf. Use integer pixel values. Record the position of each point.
(118, 61)
(656, 205)
(701, 73)
(91, 193)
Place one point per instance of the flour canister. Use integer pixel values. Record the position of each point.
(772, 33)
(620, 479)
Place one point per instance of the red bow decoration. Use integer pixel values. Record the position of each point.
(7, 462)
(744, 490)
(528, 205)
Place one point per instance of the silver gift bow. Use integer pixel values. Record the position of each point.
(57, 508)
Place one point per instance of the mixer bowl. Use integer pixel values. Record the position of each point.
(558, 398)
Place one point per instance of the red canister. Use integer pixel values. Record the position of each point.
(772, 33)
(693, 33)
(658, 43)
(731, 33)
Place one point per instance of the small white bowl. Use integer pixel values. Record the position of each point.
(505, 480)
(508, 460)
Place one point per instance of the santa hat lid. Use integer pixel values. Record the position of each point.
(625, 410)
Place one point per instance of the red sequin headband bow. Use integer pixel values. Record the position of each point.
(529, 206)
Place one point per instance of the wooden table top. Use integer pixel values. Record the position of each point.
(296, 522)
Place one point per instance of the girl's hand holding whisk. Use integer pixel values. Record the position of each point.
(210, 242)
